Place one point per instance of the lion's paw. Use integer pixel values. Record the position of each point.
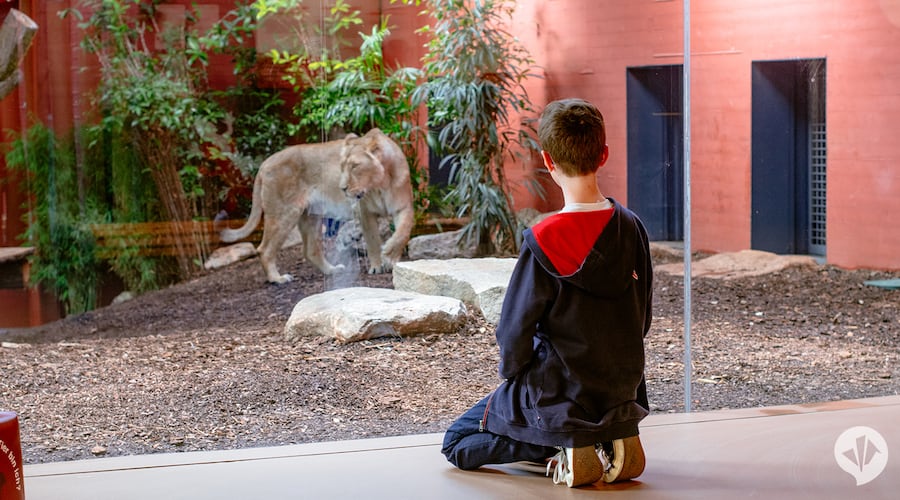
(284, 278)
(335, 269)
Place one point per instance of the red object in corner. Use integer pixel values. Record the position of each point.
(12, 478)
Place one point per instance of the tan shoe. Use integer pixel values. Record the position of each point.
(576, 466)
(623, 459)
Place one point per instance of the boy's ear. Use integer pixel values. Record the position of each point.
(604, 156)
(548, 161)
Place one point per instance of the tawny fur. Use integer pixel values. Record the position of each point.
(300, 184)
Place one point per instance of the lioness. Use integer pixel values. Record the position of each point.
(300, 184)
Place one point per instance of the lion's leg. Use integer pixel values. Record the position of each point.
(311, 230)
(394, 246)
(275, 232)
(369, 224)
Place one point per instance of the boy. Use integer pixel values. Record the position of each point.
(571, 329)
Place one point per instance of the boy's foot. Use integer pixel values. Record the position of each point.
(623, 459)
(576, 466)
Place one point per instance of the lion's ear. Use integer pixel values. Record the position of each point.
(349, 136)
(374, 148)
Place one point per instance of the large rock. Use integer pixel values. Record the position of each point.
(349, 239)
(479, 282)
(666, 251)
(230, 254)
(528, 217)
(351, 314)
(444, 245)
(730, 265)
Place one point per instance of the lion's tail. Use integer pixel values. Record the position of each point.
(230, 235)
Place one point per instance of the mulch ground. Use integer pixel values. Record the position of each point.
(203, 365)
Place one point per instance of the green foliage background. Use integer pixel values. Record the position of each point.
(149, 152)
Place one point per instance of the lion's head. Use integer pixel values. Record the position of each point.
(362, 168)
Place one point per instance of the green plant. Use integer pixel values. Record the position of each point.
(475, 71)
(259, 127)
(363, 93)
(57, 221)
(229, 35)
(254, 128)
(147, 95)
(155, 97)
(307, 54)
(356, 94)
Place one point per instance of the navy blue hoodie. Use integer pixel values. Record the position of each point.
(572, 346)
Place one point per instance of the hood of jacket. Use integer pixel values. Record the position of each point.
(609, 266)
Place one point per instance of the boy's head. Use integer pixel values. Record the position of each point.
(572, 133)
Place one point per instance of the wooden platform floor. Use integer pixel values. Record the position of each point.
(770, 453)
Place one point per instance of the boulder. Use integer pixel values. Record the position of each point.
(444, 245)
(359, 313)
(480, 283)
(227, 255)
(528, 217)
(349, 239)
(123, 297)
(224, 256)
(730, 265)
(660, 251)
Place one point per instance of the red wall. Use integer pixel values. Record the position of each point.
(583, 48)
(53, 89)
(586, 46)
(864, 151)
(859, 44)
(50, 89)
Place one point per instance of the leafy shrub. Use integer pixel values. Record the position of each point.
(56, 220)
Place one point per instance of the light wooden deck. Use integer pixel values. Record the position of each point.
(770, 453)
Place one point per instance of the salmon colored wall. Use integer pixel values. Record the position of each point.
(859, 44)
(585, 47)
(863, 147)
(404, 48)
(11, 200)
(726, 38)
(53, 89)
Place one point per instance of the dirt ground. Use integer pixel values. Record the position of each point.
(203, 365)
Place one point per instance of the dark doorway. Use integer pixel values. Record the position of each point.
(438, 169)
(788, 157)
(655, 150)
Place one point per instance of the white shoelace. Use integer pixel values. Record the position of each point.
(562, 467)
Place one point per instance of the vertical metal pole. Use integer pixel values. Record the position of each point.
(687, 205)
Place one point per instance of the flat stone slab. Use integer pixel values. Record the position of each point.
(360, 313)
(230, 254)
(730, 265)
(480, 283)
(439, 246)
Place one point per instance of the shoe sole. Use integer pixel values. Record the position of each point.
(628, 460)
(584, 466)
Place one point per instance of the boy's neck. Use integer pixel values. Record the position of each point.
(582, 189)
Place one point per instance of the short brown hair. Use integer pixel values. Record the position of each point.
(573, 132)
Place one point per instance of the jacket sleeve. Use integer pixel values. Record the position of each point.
(648, 272)
(527, 297)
